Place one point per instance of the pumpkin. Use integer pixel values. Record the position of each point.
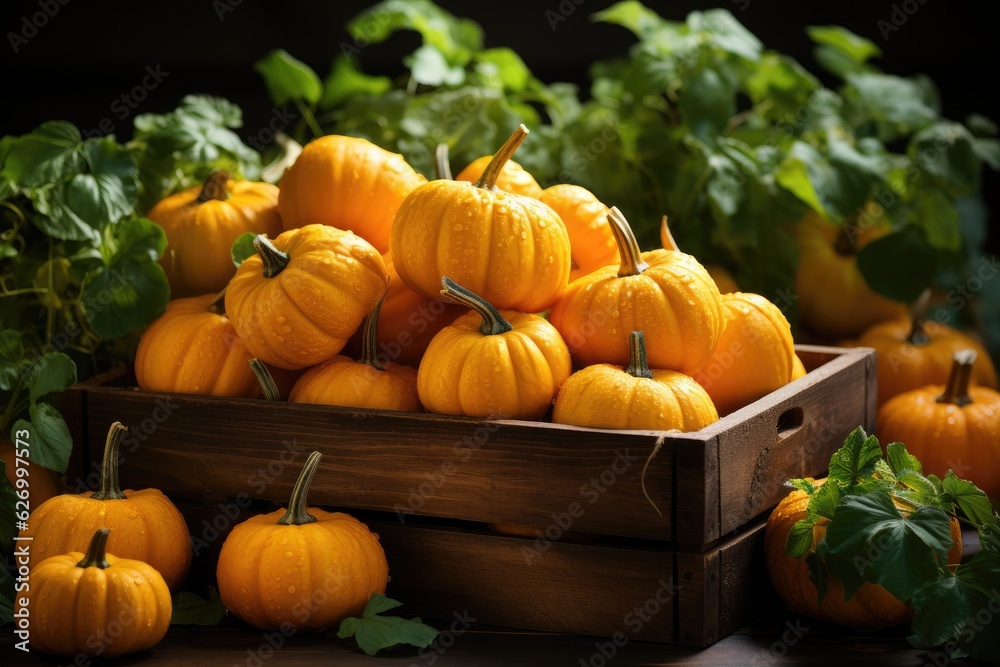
(95, 604)
(592, 245)
(201, 224)
(723, 278)
(297, 301)
(633, 397)
(666, 294)
(367, 383)
(145, 525)
(798, 368)
(755, 354)
(955, 426)
(914, 353)
(302, 568)
(491, 363)
(347, 183)
(512, 177)
(44, 483)
(511, 250)
(871, 607)
(834, 298)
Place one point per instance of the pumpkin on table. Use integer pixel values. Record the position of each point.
(95, 604)
(145, 525)
(201, 224)
(592, 245)
(301, 568)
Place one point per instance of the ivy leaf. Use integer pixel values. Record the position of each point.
(899, 265)
(374, 632)
(44, 156)
(345, 81)
(973, 502)
(242, 248)
(51, 442)
(51, 372)
(191, 609)
(288, 79)
(855, 459)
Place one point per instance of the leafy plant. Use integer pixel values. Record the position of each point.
(192, 609)
(374, 632)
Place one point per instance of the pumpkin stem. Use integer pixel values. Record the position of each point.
(214, 188)
(110, 489)
(956, 391)
(637, 365)
(632, 262)
(218, 305)
(844, 244)
(442, 167)
(298, 507)
(918, 336)
(493, 322)
(666, 237)
(96, 555)
(265, 379)
(369, 339)
(273, 259)
(489, 178)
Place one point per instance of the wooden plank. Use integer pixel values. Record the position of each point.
(696, 491)
(698, 575)
(745, 591)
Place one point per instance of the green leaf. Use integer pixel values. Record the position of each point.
(973, 502)
(901, 460)
(288, 79)
(988, 150)
(47, 155)
(344, 82)
(51, 372)
(855, 459)
(51, 442)
(837, 184)
(802, 485)
(941, 607)
(781, 81)
(634, 16)
(191, 609)
(8, 517)
(429, 67)
(374, 632)
(799, 540)
(726, 33)
(945, 150)
(242, 247)
(900, 265)
(11, 358)
(213, 110)
(456, 38)
(513, 74)
(894, 104)
(851, 45)
(923, 490)
(937, 214)
(6, 594)
(981, 126)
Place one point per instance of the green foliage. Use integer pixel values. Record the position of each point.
(374, 632)
(192, 609)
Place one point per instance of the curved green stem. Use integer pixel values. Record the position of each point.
(369, 337)
(309, 118)
(110, 488)
(637, 365)
(441, 165)
(274, 260)
(632, 262)
(265, 379)
(214, 188)
(96, 555)
(956, 391)
(493, 322)
(298, 506)
(489, 178)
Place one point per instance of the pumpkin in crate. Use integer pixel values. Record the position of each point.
(510, 249)
(666, 294)
(297, 301)
(201, 224)
(723, 278)
(592, 245)
(513, 178)
(950, 427)
(95, 603)
(144, 524)
(491, 363)
(633, 397)
(798, 368)
(301, 568)
(347, 183)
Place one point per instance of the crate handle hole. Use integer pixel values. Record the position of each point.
(789, 421)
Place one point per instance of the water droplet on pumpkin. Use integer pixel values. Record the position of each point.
(454, 261)
(457, 228)
(288, 554)
(291, 588)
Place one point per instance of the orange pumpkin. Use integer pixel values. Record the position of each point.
(634, 397)
(723, 278)
(755, 354)
(666, 294)
(512, 250)
(798, 368)
(951, 427)
(491, 363)
(201, 224)
(347, 183)
(302, 568)
(144, 524)
(586, 218)
(297, 301)
(512, 177)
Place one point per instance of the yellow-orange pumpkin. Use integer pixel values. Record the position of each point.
(512, 177)
(723, 278)
(586, 218)
(798, 368)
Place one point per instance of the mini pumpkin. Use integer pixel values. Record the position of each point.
(300, 568)
(798, 368)
(145, 525)
(510, 249)
(95, 604)
(951, 427)
(666, 294)
(301, 297)
(723, 278)
(513, 178)
(633, 397)
(491, 363)
(201, 224)
(591, 242)
(347, 183)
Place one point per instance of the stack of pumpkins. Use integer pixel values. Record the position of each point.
(437, 287)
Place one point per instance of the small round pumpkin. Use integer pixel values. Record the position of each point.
(592, 245)
(347, 183)
(634, 397)
(301, 297)
(145, 525)
(491, 363)
(955, 426)
(95, 604)
(723, 278)
(666, 294)
(302, 568)
(755, 354)
(510, 249)
(369, 382)
(201, 224)
(798, 368)
(513, 178)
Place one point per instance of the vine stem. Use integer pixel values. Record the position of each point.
(298, 506)
(309, 118)
(637, 365)
(632, 262)
(110, 488)
(493, 322)
(369, 337)
(488, 180)
(274, 260)
(265, 379)
(956, 391)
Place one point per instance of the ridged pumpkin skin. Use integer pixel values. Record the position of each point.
(755, 354)
(834, 298)
(720, 274)
(144, 524)
(871, 607)
(191, 349)
(665, 294)
(94, 611)
(586, 218)
(347, 183)
(201, 224)
(513, 178)
(304, 314)
(635, 397)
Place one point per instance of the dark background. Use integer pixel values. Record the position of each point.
(90, 53)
